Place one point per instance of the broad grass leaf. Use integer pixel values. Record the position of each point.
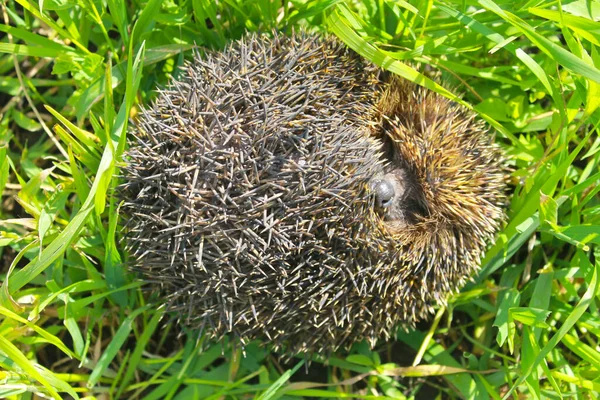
(508, 299)
(271, 392)
(27, 367)
(115, 345)
(530, 316)
(583, 304)
(554, 51)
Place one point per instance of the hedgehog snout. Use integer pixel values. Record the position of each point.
(396, 197)
(389, 191)
(384, 192)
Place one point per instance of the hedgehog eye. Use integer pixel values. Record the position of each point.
(384, 192)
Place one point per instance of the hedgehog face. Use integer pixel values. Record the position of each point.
(454, 194)
(397, 196)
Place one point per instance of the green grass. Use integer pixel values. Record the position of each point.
(74, 323)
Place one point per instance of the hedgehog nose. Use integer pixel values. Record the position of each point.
(383, 191)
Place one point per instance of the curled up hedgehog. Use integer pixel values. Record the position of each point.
(285, 190)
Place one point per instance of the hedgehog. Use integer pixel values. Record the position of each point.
(286, 190)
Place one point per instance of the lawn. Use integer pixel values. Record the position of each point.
(75, 323)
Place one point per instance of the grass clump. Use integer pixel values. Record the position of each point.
(75, 324)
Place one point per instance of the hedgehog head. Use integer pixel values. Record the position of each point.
(444, 184)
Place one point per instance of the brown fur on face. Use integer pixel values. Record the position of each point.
(450, 181)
